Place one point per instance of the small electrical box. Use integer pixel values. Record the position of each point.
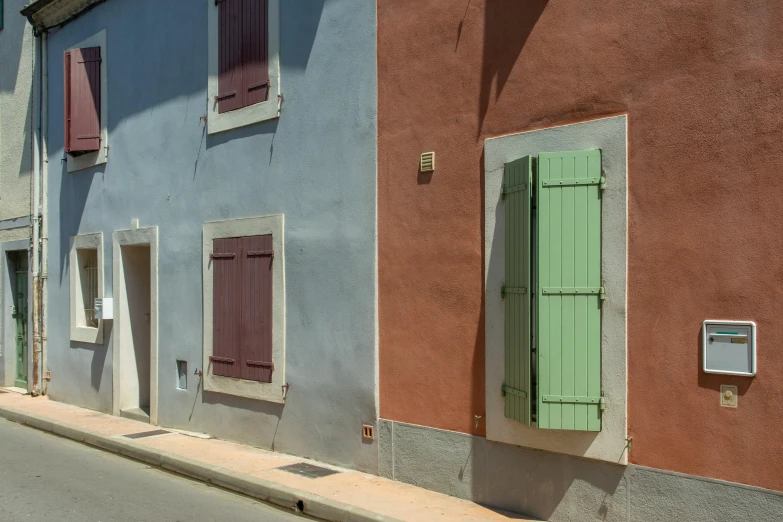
(729, 347)
(104, 308)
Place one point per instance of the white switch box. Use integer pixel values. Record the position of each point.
(729, 347)
(104, 308)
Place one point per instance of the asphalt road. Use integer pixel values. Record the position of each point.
(44, 477)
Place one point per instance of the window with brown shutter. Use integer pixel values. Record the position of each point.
(242, 308)
(243, 56)
(82, 83)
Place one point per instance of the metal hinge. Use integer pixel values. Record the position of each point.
(261, 253)
(598, 290)
(558, 399)
(514, 188)
(261, 364)
(221, 256)
(513, 391)
(512, 290)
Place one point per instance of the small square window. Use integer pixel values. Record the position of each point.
(182, 375)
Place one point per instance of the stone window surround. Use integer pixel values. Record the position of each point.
(251, 114)
(609, 135)
(254, 226)
(81, 333)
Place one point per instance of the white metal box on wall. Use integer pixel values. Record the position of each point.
(104, 308)
(729, 347)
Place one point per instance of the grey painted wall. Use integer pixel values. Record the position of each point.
(16, 94)
(316, 165)
(561, 488)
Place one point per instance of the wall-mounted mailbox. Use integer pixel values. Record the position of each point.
(729, 347)
(104, 308)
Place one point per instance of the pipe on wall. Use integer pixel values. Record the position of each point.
(44, 203)
(35, 212)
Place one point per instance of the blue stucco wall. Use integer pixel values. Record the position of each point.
(316, 165)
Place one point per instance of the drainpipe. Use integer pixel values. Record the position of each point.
(44, 206)
(35, 214)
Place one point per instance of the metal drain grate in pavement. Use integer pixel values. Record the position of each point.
(146, 434)
(308, 470)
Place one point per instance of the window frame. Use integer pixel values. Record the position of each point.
(256, 226)
(81, 332)
(610, 135)
(251, 114)
(101, 156)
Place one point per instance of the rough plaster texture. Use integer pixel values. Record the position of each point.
(700, 82)
(16, 134)
(610, 136)
(316, 165)
(9, 242)
(559, 487)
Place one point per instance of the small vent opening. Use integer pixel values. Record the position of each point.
(368, 432)
(427, 162)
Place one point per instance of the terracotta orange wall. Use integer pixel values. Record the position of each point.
(702, 83)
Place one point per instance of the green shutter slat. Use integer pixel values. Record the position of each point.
(518, 211)
(568, 290)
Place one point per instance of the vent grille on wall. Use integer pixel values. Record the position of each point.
(427, 162)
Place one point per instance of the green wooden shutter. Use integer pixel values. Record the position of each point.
(517, 189)
(568, 290)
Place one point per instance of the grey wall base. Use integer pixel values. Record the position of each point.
(557, 487)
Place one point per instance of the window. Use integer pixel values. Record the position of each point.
(244, 79)
(85, 108)
(86, 282)
(244, 308)
(553, 290)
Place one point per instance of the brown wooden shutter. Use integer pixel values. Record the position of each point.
(226, 269)
(255, 71)
(256, 308)
(243, 64)
(230, 94)
(82, 100)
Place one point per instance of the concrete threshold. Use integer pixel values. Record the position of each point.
(348, 495)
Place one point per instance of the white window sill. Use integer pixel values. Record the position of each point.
(88, 334)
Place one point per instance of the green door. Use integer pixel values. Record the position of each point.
(20, 303)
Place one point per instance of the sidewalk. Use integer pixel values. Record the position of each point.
(343, 496)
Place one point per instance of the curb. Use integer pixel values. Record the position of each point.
(296, 500)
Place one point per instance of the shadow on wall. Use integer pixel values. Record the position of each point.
(507, 26)
(99, 352)
(248, 405)
(73, 198)
(179, 73)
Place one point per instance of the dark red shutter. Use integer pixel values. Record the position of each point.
(67, 87)
(230, 93)
(226, 270)
(243, 64)
(83, 100)
(255, 71)
(256, 311)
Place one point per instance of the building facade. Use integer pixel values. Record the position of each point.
(211, 189)
(16, 191)
(542, 292)
(490, 231)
